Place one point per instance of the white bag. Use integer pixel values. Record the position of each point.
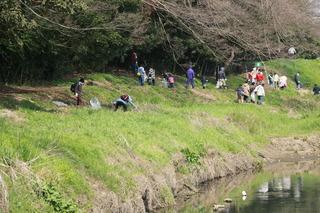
(95, 103)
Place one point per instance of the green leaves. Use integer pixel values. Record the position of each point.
(55, 199)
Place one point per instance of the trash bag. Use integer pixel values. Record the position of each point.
(95, 103)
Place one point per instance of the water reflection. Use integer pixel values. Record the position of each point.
(286, 187)
(296, 189)
(280, 188)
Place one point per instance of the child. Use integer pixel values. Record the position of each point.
(151, 76)
(204, 81)
(239, 93)
(78, 91)
(246, 92)
(171, 80)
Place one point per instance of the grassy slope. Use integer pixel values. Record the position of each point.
(77, 146)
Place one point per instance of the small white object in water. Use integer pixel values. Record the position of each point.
(244, 197)
(244, 193)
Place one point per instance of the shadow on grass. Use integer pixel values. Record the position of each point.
(10, 102)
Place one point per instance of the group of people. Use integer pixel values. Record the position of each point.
(256, 76)
(168, 80)
(143, 77)
(276, 81)
(123, 101)
(254, 93)
(253, 90)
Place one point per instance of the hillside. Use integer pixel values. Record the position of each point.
(69, 159)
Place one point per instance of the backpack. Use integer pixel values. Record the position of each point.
(73, 87)
(124, 97)
(171, 80)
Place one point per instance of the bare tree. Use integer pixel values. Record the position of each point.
(237, 28)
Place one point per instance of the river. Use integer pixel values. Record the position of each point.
(280, 188)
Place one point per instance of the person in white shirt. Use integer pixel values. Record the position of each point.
(276, 80)
(141, 75)
(292, 51)
(259, 90)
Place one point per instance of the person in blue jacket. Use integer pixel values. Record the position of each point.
(190, 77)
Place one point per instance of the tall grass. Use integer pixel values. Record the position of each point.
(79, 146)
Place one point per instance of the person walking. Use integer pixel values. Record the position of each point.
(190, 77)
(259, 90)
(78, 91)
(204, 80)
(270, 80)
(276, 80)
(297, 80)
(141, 75)
(246, 92)
(134, 61)
(239, 93)
(222, 78)
(152, 76)
(260, 77)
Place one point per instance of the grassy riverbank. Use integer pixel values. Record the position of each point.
(70, 150)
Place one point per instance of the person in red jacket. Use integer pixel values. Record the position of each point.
(260, 77)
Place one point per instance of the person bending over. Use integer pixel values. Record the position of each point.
(316, 90)
(123, 101)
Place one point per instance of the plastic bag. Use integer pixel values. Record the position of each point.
(95, 103)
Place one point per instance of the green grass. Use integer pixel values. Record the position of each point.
(309, 69)
(79, 146)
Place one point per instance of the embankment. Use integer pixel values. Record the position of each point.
(170, 186)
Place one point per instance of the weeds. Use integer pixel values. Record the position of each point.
(55, 199)
(191, 157)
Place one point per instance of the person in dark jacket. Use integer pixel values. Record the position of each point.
(316, 90)
(134, 61)
(204, 81)
(221, 79)
(78, 91)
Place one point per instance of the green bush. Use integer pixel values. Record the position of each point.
(54, 198)
(191, 157)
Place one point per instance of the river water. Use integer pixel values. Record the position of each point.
(288, 187)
